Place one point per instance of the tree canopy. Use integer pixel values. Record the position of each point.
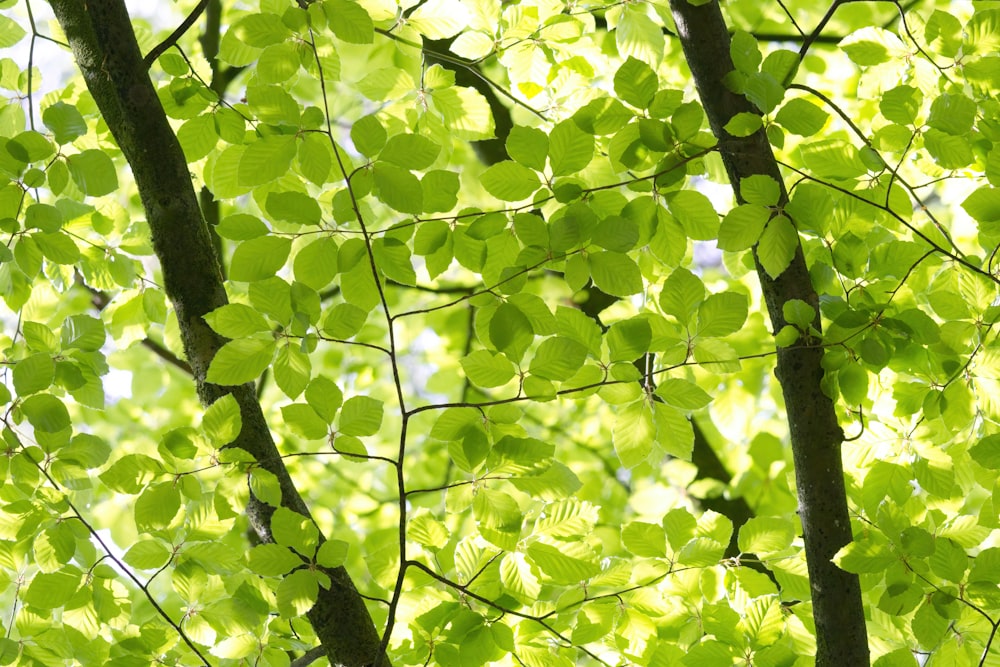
(466, 332)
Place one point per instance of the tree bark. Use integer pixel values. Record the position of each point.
(104, 46)
(816, 436)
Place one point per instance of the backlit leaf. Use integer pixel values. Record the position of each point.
(777, 246)
(510, 181)
(241, 360)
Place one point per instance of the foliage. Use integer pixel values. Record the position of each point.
(422, 330)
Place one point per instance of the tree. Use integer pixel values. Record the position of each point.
(428, 334)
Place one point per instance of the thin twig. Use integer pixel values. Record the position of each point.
(185, 25)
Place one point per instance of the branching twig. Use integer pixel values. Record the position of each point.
(185, 25)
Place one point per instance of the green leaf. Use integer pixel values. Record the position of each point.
(682, 394)
(344, 320)
(645, 539)
(236, 320)
(570, 150)
(872, 46)
(744, 124)
(306, 421)
(799, 313)
(615, 273)
(315, 264)
(51, 590)
(569, 563)
(464, 111)
(268, 158)
(439, 19)
(777, 245)
(294, 207)
(765, 535)
(636, 83)
(280, 62)
(634, 433)
(949, 151)
(65, 121)
(952, 113)
(315, 158)
(696, 214)
(440, 190)
(410, 151)
(297, 592)
(260, 30)
(259, 258)
(393, 258)
(222, 421)
(510, 331)
(360, 415)
(518, 577)
(764, 91)
(58, 248)
(853, 380)
(240, 227)
(498, 517)
(681, 295)
(156, 506)
(901, 104)
(485, 369)
(398, 188)
(865, 556)
(986, 452)
(801, 117)
(272, 560)
(833, 159)
(240, 361)
(628, 340)
(722, 314)
(639, 36)
(54, 547)
(198, 137)
(528, 146)
(616, 233)
(983, 204)
(295, 531)
(368, 135)
(292, 370)
(349, 21)
(45, 413)
(332, 553)
(468, 449)
(93, 172)
(742, 227)
(148, 555)
(325, 397)
(949, 560)
(33, 374)
(43, 217)
(11, 32)
(510, 181)
(558, 358)
(744, 52)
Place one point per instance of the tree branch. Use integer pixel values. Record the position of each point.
(816, 436)
(185, 25)
(106, 51)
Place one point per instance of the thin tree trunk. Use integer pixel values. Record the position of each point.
(104, 45)
(815, 434)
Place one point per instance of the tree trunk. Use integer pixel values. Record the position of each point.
(815, 434)
(106, 51)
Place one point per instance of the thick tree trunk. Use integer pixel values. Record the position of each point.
(106, 51)
(815, 434)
